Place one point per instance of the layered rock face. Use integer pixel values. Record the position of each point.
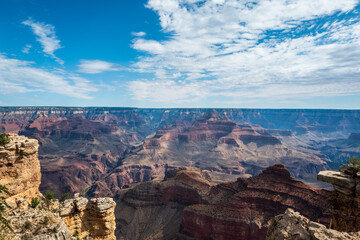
(20, 174)
(345, 200)
(242, 210)
(20, 168)
(32, 216)
(80, 146)
(291, 225)
(153, 210)
(92, 219)
(187, 205)
(214, 143)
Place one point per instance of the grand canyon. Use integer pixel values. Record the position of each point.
(102, 150)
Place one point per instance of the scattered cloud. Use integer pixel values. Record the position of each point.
(26, 49)
(243, 50)
(46, 36)
(97, 66)
(139, 34)
(18, 76)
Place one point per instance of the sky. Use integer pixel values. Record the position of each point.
(180, 53)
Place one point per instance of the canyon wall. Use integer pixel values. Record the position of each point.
(186, 204)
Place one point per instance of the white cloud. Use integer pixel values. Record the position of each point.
(237, 49)
(26, 49)
(139, 34)
(46, 36)
(18, 76)
(97, 66)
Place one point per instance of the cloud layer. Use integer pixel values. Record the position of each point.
(46, 36)
(245, 50)
(18, 76)
(97, 66)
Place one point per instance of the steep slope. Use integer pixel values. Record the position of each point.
(187, 205)
(211, 143)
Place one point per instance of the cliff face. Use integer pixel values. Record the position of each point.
(345, 200)
(20, 168)
(93, 219)
(242, 210)
(32, 216)
(187, 205)
(153, 210)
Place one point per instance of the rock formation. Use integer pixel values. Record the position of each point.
(31, 215)
(20, 168)
(293, 226)
(94, 219)
(82, 145)
(187, 205)
(214, 143)
(345, 200)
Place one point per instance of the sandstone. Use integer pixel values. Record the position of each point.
(345, 200)
(20, 173)
(336, 178)
(92, 219)
(293, 226)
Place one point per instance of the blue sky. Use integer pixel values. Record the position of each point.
(180, 53)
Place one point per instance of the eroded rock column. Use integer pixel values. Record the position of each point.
(20, 168)
(94, 219)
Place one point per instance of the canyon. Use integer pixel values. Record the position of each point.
(101, 150)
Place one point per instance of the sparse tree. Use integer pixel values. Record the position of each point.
(352, 167)
(4, 139)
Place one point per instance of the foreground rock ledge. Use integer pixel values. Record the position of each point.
(50, 220)
(293, 226)
(345, 200)
(94, 219)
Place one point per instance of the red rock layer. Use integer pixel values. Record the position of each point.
(249, 204)
(235, 210)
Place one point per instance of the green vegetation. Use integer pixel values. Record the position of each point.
(4, 223)
(352, 167)
(27, 225)
(49, 196)
(4, 139)
(64, 197)
(34, 202)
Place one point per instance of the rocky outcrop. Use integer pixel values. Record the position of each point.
(30, 215)
(345, 200)
(92, 219)
(292, 226)
(20, 168)
(242, 210)
(185, 204)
